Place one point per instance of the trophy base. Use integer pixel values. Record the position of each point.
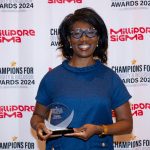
(62, 132)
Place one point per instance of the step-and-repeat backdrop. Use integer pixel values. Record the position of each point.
(28, 43)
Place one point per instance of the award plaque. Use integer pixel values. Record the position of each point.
(59, 116)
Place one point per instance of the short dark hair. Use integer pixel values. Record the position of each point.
(87, 15)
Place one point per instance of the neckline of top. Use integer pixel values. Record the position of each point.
(94, 66)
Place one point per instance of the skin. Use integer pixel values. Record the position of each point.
(82, 57)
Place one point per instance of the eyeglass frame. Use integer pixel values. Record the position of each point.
(85, 32)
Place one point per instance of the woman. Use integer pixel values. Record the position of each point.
(83, 83)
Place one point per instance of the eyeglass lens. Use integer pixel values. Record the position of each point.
(78, 33)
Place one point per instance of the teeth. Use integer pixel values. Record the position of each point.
(84, 46)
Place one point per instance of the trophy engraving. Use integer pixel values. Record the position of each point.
(58, 119)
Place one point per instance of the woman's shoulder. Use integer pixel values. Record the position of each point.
(56, 71)
(107, 69)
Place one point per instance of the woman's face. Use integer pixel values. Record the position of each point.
(83, 40)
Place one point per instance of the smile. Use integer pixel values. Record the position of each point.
(84, 46)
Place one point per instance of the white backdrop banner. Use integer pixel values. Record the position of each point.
(28, 43)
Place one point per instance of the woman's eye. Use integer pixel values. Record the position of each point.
(90, 32)
(76, 33)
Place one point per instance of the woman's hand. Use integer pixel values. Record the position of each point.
(43, 133)
(37, 123)
(85, 132)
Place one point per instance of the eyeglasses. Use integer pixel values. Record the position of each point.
(78, 33)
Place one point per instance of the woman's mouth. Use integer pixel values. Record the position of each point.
(84, 46)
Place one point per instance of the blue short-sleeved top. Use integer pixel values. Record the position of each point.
(92, 92)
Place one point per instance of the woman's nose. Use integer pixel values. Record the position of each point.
(83, 37)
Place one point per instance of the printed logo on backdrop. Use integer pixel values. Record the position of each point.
(15, 36)
(54, 37)
(137, 144)
(138, 109)
(16, 76)
(16, 5)
(129, 34)
(130, 4)
(134, 74)
(17, 144)
(14, 111)
(64, 1)
(131, 141)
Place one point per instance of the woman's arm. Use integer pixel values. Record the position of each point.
(37, 122)
(124, 121)
(123, 125)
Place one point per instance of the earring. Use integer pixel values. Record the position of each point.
(70, 46)
(97, 45)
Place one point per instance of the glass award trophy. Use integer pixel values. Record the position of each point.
(59, 116)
